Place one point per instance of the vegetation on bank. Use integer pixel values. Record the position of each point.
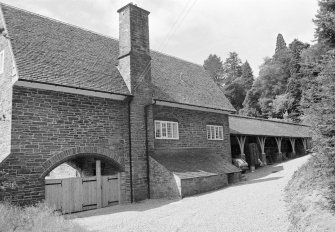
(34, 218)
(311, 192)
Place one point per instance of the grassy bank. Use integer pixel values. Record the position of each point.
(33, 218)
(310, 195)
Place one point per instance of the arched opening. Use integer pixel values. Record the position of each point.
(83, 165)
(82, 181)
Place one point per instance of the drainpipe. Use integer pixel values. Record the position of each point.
(130, 158)
(147, 146)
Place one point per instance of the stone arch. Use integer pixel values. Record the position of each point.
(71, 153)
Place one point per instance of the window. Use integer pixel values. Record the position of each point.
(2, 59)
(214, 132)
(166, 130)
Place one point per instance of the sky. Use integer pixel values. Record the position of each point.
(193, 29)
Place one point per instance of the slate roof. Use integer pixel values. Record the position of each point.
(263, 127)
(192, 163)
(54, 52)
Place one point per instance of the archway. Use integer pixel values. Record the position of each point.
(96, 183)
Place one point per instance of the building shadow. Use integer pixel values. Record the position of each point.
(137, 206)
(252, 178)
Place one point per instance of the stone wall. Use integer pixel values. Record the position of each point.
(192, 130)
(48, 123)
(198, 185)
(163, 183)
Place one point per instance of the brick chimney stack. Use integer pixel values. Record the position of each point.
(135, 67)
(134, 50)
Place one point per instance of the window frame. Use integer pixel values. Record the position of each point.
(166, 129)
(214, 132)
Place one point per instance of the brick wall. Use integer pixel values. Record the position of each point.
(45, 123)
(192, 130)
(6, 79)
(163, 183)
(135, 67)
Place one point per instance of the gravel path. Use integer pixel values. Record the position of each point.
(253, 205)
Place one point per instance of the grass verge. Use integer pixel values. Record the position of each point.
(34, 218)
(310, 196)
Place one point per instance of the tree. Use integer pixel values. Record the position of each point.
(236, 94)
(281, 105)
(232, 68)
(294, 83)
(280, 43)
(247, 78)
(325, 21)
(250, 104)
(213, 64)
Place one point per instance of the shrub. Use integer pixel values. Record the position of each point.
(33, 218)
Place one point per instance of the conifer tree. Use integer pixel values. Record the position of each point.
(280, 43)
(232, 68)
(325, 21)
(247, 77)
(213, 64)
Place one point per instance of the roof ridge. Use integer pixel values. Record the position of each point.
(58, 21)
(91, 31)
(265, 119)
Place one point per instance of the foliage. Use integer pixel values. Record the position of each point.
(279, 83)
(213, 64)
(236, 94)
(325, 22)
(34, 218)
(232, 68)
(294, 90)
(251, 105)
(280, 43)
(317, 177)
(247, 77)
(281, 104)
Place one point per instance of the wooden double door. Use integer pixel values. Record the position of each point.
(82, 193)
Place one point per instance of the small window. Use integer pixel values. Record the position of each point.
(2, 59)
(214, 132)
(166, 130)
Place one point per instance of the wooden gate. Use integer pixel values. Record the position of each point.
(77, 194)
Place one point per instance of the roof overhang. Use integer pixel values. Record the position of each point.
(274, 136)
(70, 89)
(189, 106)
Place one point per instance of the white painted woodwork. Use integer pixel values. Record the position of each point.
(304, 142)
(241, 142)
(65, 89)
(292, 140)
(190, 107)
(278, 140)
(261, 141)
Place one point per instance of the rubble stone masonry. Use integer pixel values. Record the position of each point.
(48, 126)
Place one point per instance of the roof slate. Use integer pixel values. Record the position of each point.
(192, 163)
(263, 127)
(54, 52)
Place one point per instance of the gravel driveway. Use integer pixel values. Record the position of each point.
(253, 205)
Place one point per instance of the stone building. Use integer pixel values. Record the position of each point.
(73, 96)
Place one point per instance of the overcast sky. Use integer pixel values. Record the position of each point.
(193, 29)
